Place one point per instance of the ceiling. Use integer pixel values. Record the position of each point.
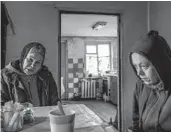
(81, 25)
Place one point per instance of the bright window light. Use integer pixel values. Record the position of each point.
(98, 63)
(91, 48)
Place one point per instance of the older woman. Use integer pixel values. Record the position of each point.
(28, 80)
(151, 61)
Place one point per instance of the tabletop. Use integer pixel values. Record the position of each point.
(85, 120)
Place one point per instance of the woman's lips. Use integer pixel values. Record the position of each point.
(30, 70)
(145, 79)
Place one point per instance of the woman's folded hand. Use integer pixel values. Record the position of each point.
(28, 112)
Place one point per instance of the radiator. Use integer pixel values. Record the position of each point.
(88, 89)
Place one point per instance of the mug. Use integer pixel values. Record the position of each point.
(62, 123)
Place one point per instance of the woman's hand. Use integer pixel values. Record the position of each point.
(28, 112)
(130, 129)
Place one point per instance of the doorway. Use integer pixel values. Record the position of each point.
(90, 66)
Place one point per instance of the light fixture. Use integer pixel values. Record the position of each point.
(99, 25)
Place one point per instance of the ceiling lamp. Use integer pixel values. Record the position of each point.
(99, 25)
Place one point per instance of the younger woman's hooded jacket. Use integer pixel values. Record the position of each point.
(152, 104)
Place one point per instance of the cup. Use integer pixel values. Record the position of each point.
(62, 123)
(6, 118)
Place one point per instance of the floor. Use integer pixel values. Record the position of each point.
(104, 110)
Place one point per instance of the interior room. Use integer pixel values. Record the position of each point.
(68, 31)
(89, 61)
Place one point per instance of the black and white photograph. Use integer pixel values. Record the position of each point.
(85, 66)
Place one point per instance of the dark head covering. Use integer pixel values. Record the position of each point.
(18, 63)
(155, 48)
(29, 46)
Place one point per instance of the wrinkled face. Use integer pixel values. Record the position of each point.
(144, 69)
(33, 62)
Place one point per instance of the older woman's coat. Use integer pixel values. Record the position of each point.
(12, 87)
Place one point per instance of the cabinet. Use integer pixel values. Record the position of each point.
(112, 86)
(105, 86)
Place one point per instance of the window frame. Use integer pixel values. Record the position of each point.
(96, 43)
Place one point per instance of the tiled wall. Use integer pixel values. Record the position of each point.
(75, 72)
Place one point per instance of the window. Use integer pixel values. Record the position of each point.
(97, 58)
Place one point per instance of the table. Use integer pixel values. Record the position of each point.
(85, 120)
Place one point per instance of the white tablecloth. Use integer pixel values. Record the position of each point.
(85, 119)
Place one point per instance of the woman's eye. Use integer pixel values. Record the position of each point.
(38, 62)
(29, 59)
(144, 66)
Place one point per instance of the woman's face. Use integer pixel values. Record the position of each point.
(33, 62)
(144, 69)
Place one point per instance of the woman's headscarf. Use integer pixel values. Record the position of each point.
(155, 48)
(29, 46)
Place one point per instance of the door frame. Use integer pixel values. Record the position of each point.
(119, 90)
(66, 67)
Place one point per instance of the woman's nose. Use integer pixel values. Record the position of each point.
(32, 64)
(140, 72)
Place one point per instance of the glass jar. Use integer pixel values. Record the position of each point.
(12, 121)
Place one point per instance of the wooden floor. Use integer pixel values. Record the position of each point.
(104, 110)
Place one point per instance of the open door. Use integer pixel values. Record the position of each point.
(85, 52)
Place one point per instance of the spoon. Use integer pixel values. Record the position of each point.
(61, 108)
